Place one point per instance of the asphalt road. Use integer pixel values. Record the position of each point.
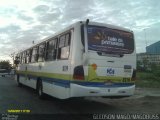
(13, 97)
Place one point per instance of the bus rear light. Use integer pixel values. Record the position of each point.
(94, 66)
(78, 73)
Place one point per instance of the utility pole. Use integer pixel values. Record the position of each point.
(146, 62)
(145, 38)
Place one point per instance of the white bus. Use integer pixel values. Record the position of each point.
(84, 59)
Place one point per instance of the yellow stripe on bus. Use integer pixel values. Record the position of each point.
(69, 77)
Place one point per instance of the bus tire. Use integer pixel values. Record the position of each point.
(18, 82)
(40, 89)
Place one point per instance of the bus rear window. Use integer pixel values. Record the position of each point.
(110, 41)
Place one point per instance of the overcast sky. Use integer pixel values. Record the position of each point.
(22, 21)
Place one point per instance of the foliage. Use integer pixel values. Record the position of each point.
(140, 66)
(145, 63)
(145, 66)
(5, 64)
(148, 79)
(155, 69)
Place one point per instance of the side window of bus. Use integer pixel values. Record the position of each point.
(28, 56)
(30, 52)
(18, 58)
(21, 58)
(41, 52)
(51, 50)
(64, 46)
(34, 57)
(24, 57)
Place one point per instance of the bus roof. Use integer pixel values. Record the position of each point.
(75, 24)
(107, 25)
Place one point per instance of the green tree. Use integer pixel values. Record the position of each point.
(154, 66)
(5, 64)
(146, 63)
(139, 65)
(155, 69)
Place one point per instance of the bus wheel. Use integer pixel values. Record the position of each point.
(40, 89)
(19, 84)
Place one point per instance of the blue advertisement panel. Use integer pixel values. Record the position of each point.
(110, 41)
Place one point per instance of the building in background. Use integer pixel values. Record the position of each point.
(153, 48)
(148, 58)
(152, 56)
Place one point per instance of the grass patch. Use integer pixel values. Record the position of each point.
(148, 79)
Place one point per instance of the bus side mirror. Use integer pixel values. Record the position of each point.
(16, 62)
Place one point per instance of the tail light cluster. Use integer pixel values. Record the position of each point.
(94, 66)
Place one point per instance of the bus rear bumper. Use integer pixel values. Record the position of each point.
(82, 91)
